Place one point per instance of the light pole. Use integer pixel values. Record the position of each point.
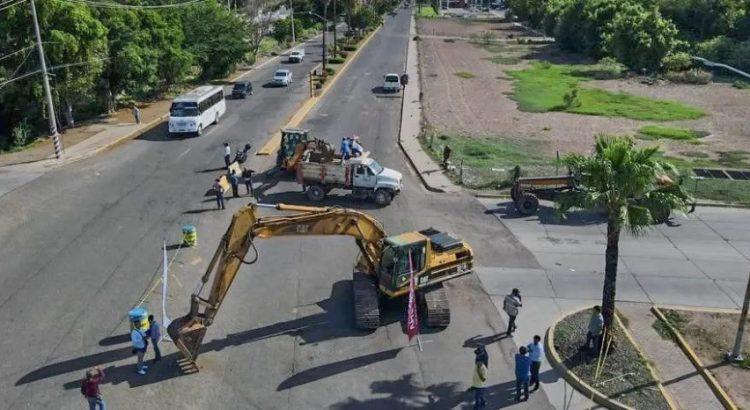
(291, 11)
(325, 28)
(335, 47)
(736, 354)
(45, 83)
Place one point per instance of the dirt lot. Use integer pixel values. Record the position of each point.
(710, 335)
(480, 105)
(458, 27)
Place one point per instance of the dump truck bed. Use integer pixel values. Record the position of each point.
(333, 173)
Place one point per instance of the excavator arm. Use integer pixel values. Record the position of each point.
(188, 331)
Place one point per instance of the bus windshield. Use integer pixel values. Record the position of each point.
(184, 109)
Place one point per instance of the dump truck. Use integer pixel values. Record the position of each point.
(363, 176)
(383, 270)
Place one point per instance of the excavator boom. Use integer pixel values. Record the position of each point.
(188, 331)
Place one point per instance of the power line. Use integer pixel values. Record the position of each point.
(17, 2)
(57, 67)
(23, 49)
(130, 6)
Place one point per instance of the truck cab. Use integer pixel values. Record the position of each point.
(297, 56)
(370, 178)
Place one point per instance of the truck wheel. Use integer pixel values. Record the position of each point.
(527, 204)
(216, 118)
(383, 197)
(315, 193)
(200, 130)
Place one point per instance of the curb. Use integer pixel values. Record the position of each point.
(134, 134)
(651, 370)
(273, 143)
(719, 392)
(582, 387)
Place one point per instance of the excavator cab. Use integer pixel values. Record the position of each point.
(395, 266)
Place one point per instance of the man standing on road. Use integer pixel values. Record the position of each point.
(479, 381)
(523, 368)
(596, 326)
(140, 343)
(136, 114)
(511, 303)
(219, 192)
(154, 333)
(90, 388)
(346, 148)
(247, 178)
(536, 353)
(234, 181)
(227, 155)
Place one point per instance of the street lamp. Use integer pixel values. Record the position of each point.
(325, 28)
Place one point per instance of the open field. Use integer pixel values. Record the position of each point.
(711, 334)
(489, 105)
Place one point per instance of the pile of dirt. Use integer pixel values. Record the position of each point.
(624, 375)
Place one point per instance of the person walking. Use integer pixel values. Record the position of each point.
(136, 114)
(219, 192)
(234, 181)
(536, 353)
(511, 303)
(247, 179)
(596, 326)
(90, 389)
(140, 343)
(154, 333)
(479, 380)
(446, 155)
(523, 370)
(227, 155)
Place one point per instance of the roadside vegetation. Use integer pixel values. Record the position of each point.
(656, 132)
(464, 74)
(652, 35)
(551, 87)
(106, 58)
(426, 12)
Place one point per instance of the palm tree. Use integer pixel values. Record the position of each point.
(632, 186)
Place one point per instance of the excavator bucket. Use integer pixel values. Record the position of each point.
(187, 334)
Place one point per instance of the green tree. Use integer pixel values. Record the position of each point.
(216, 37)
(629, 184)
(703, 19)
(640, 38)
(531, 11)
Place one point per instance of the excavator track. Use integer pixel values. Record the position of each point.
(437, 310)
(366, 302)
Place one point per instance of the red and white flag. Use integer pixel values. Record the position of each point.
(412, 317)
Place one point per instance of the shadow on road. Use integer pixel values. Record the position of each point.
(547, 215)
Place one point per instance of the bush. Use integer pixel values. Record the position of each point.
(692, 76)
(344, 54)
(679, 61)
(21, 134)
(349, 47)
(330, 71)
(640, 38)
(336, 60)
(606, 69)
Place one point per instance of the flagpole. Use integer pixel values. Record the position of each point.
(165, 275)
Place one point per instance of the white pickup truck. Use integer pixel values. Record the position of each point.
(296, 56)
(363, 176)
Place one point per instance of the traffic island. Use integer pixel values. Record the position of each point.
(623, 379)
(705, 336)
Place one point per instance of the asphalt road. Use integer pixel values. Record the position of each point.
(81, 246)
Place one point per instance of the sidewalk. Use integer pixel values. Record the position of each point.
(429, 172)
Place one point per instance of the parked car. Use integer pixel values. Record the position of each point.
(242, 89)
(282, 77)
(391, 83)
(296, 56)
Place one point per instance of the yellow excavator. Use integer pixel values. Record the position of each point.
(383, 267)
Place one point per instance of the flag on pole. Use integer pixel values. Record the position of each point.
(165, 275)
(412, 319)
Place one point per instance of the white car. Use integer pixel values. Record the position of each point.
(391, 83)
(282, 77)
(296, 56)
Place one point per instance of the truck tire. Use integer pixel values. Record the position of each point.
(528, 204)
(315, 193)
(200, 130)
(383, 197)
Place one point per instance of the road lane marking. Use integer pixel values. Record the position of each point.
(183, 154)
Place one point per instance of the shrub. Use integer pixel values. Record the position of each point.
(606, 69)
(21, 134)
(679, 61)
(640, 38)
(330, 71)
(349, 47)
(692, 76)
(336, 60)
(344, 54)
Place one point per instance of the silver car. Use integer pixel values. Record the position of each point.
(282, 77)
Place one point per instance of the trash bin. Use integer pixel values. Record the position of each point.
(189, 235)
(139, 317)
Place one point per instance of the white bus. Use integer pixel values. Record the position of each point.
(194, 111)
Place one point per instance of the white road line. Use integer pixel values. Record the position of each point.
(183, 154)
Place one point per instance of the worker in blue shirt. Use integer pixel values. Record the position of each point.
(536, 354)
(346, 148)
(523, 370)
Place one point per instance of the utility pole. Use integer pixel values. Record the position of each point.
(335, 20)
(736, 354)
(325, 28)
(291, 11)
(45, 81)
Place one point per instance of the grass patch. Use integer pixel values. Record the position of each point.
(501, 59)
(427, 12)
(550, 87)
(464, 74)
(655, 132)
(725, 190)
(268, 45)
(674, 319)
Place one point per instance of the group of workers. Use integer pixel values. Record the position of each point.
(350, 147)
